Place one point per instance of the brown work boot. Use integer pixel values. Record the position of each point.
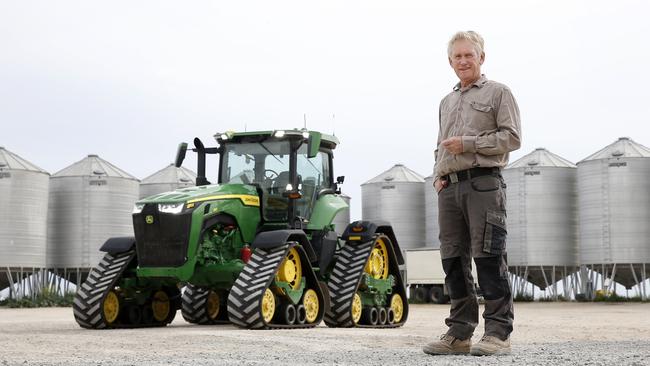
(448, 345)
(490, 345)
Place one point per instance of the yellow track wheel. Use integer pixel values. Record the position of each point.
(290, 270)
(160, 306)
(310, 301)
(377, 265)
(268, 305)
(111, 307)
(212, 305)
(397, 304)
(357, 308)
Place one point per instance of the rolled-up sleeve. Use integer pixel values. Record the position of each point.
(506, 137)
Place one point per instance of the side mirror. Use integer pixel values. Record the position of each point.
(180, 154)
(340, 179)
(313, 144)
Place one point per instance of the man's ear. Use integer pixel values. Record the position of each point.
(482, 60)
(449, 58)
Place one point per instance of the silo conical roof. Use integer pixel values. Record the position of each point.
(171, 174)
(398, 173)
(624, 147)
(9, 160)
(541, 157)
(93, 165)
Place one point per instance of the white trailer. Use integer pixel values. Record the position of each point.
(425, 276)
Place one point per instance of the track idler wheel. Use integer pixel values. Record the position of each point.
(160, 307)
(133, 315)
(383, 315)
(397, 306)
(287, 314)
(370, 315)
(311, 305)
(268, 305)
(301, 314)
(357, 308)
(111, 307)
(391, 316)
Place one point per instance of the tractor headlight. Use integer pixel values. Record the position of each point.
(171, 208)
(137, 208)
(279, 134)
(305, 135)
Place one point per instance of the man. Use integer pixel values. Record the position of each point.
(479, 126)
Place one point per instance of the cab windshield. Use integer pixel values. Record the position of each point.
(266, 164)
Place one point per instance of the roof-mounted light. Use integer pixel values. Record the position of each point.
(305, 134)
(279, 134)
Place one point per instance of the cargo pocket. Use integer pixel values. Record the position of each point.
(494, 239)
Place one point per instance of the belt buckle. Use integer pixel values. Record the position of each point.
(453, 177)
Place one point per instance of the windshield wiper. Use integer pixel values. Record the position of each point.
(269, 151)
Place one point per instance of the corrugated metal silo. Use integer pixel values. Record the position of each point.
(342, 219)
(614, 211)
(542, 218)
(396, 196)
(167, 179)
(23, 214)
(90, 201)
(432, 230)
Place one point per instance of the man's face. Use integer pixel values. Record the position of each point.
(465, 62)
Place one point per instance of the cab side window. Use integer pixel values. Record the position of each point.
(314, 175)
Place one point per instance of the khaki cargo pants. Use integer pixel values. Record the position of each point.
(472, 219)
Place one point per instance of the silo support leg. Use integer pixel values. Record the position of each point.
(645, 294)
(636, 279)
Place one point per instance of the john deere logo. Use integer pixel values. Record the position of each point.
(149, 219)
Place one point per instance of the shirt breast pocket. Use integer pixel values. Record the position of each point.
(482, 115)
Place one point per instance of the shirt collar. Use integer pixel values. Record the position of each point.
(478, 83)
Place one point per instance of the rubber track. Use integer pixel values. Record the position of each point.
(193, 307)
(246, 294)
(344, 282)
(90, 295)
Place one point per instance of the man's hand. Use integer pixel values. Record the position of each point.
(453, 144)
(438, 185)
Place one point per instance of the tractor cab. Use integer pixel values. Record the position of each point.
(291, 170)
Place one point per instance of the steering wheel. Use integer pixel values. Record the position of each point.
(270, 174)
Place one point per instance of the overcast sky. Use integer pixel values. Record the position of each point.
(128, 80)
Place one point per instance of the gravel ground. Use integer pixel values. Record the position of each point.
(545, 334)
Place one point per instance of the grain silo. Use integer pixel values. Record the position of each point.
(90, 201)
(23, 217)
(342, 218)
(614, 212)
(432, 230)
(397, 196)
(167, 179)
(542, 219)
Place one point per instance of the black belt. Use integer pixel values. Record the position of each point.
(469, 174)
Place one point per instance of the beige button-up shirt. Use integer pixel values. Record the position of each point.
(486, 116)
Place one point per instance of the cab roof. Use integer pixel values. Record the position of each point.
(327, 141)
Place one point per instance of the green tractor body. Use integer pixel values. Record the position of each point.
(258, 249)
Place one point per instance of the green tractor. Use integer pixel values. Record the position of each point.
(257, 250)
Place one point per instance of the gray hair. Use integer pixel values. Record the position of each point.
(474, 38)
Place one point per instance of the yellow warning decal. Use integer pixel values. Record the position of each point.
(246, 199)
(354, 238)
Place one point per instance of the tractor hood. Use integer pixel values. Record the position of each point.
(246, 193)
